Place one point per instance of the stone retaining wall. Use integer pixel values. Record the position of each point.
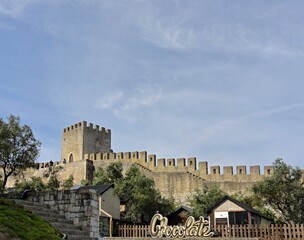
(79, 206)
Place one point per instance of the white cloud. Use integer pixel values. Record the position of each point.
(109, 100)
(14, 8)
(169, 35)
(141, 98)
(125, 104)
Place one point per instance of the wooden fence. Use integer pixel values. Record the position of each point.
(263, 232)
(133, 230)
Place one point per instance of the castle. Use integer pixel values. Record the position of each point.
(86, 147)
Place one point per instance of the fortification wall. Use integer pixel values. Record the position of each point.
(82, 138)
(189, 165)
(79, 170)
(181, 186)
(175, 178)
(180, 178)
(72, 142)
(96, 139)
(86, 147)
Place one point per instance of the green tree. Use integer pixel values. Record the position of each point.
(143, 200)
(204, 199)
(114, 171)
(35, 184)
(68, 183)
(18, 148)
(85, 182)
(283, 192)
(100, 177)
(112, 174)
(53, 183)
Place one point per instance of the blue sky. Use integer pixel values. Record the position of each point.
(219, 80)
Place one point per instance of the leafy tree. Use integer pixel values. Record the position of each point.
(52, 174)
(85, 182)
(52, 170)
(35, 184)
(100, 177)
(112, 174)
(204, 199)
(68, 183)
(53, 183)
(143, 200)
(283, 192)
(18, 148)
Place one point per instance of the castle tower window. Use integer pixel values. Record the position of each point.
(169, 163)
(241, 171)
(214, 171)
(190, 163)
(71, 158)
(268, 171)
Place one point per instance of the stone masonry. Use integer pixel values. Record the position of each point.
(86, 147)
(79, 206)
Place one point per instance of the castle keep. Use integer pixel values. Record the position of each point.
(86, 147)
(80, 139)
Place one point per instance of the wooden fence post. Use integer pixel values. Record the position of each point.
(263, 232)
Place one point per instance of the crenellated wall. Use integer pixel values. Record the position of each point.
(175, 178)
(180, 178)
(86, 147)
(151, 162)
(82, 138)
(80, 170)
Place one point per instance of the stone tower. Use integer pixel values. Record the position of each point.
(82, 138)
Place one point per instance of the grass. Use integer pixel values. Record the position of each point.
(17, 222)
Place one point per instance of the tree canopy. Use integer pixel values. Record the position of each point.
(138, 191)
(204, 199)
(283, 192)
(112, 174)
(18, 148)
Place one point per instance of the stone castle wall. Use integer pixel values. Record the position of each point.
(82, 138)
(90, 148)
(181, 178)
(80, 170)
(175, 178)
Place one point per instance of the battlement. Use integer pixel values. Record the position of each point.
(86, 147)
(47, 164)
(82, 138)
(199, 168)
(86, 125)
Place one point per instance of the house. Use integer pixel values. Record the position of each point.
(229, 211)
(109, 207)
(179, 216)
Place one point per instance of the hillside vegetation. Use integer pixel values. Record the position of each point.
(18, 223)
